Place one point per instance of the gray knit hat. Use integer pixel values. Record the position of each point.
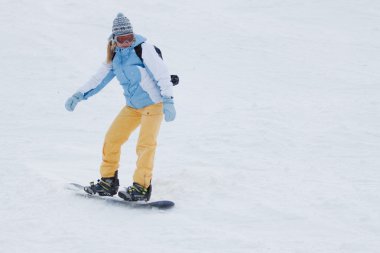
(121, 25)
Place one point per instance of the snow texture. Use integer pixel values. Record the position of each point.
(276, 145)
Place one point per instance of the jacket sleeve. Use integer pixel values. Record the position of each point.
(157, 68)
(98, 81)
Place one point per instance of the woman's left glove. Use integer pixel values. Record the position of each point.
(169, 109)
(73, 101)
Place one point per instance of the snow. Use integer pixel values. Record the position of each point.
(275, 147)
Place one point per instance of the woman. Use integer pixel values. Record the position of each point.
(149, 94)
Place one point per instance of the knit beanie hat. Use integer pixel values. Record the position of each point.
(121, 25)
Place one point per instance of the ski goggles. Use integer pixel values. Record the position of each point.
(125, 39)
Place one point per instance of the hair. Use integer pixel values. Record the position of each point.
(110, 51)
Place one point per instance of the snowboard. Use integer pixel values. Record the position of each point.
(161, 204)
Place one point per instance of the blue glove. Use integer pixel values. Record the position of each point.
(73, 101)
(169, 109)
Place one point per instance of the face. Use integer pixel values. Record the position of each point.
(125, 41)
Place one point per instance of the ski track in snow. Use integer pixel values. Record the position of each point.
(275, 147)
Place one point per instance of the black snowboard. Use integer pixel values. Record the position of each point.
(161, 204)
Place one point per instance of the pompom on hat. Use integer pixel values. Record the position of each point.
(121, 25)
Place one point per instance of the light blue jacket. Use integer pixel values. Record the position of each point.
(144, 82)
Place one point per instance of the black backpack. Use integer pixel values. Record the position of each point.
(138, 50)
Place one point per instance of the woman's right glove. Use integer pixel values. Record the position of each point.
(73, 101)
(169, 109)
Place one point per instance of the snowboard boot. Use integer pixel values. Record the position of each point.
(136, 192)
(106, 186)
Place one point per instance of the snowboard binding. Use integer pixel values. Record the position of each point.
(136, 192)
(105, 186)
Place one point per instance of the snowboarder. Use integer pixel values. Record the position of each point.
(148, 91)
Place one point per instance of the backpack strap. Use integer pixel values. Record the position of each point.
(138, 50)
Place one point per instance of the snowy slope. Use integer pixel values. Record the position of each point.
(275, 147)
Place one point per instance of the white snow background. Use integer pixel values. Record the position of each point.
(275, 148)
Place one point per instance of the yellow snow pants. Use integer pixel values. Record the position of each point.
(125, 123)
